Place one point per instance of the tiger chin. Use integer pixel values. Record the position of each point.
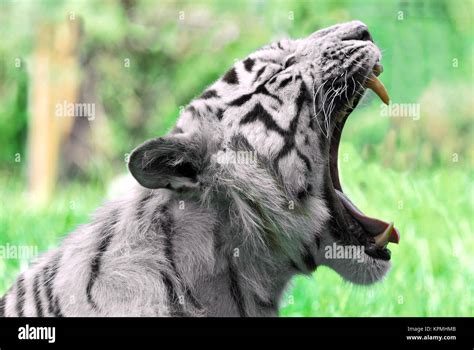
(242, 195)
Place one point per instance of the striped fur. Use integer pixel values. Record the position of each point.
(202, 237)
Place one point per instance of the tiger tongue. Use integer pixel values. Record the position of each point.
(383, 232)
(374, 84)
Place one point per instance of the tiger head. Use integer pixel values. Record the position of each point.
(259, 149)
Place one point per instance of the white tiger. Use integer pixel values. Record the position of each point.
(240, 197)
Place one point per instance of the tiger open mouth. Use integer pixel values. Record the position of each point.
(374, 234)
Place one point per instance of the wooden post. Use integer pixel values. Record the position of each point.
(54, 79)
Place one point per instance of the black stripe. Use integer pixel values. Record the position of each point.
(261, 114)
(317, 239)
(285, 82)
(273, 79)
(241, 100)
(20, 295)
(165, 223)
(57, 308)
(290, 61)
(50, 271)
(270, 60)
(259, 73)
(239, 142)
(219, 113)
(37, 296)
(218, 242)
(176, 309)
(308, 259)
(209, 94)
(196, 304)
(311, 125)
(306, 139)
(305, 192)
(264, 304)
(294, 266)
(304, 158)
(235, 291)
(303, 96)
(193, 111)
(289, 143)
(48, 288)
(231, 77)
(288, 146)
(2, 306)
(263, 90)
(105, 237)
(248, 64)
(141, 205)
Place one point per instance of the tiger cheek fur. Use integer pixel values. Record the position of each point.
(228, 207)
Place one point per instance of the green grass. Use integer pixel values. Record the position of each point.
(23, 223)
(433, 266)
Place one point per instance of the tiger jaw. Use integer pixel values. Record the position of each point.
(373, 234)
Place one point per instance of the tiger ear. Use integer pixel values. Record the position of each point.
(166, 162)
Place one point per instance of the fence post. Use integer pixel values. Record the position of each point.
(54, 81)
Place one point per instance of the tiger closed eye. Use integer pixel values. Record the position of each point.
(290, 61)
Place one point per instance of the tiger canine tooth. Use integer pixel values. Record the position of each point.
(374, 84)
(381, 240)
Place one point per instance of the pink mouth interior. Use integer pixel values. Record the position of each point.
(371, 225)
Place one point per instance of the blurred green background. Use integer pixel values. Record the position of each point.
(417, 172)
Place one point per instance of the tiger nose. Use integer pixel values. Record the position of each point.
(361, 32)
